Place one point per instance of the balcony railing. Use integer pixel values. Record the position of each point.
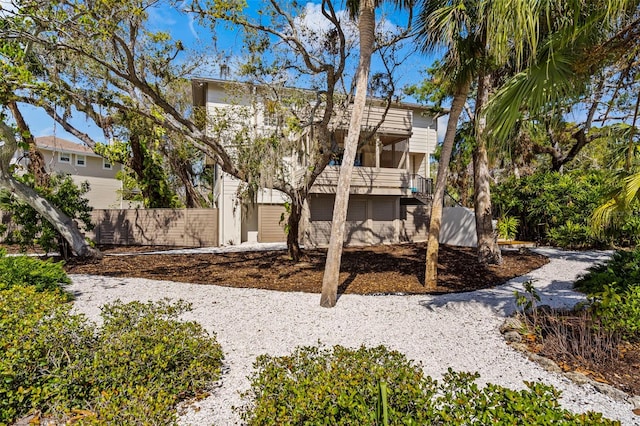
(421, 185)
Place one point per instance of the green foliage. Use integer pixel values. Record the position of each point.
(553, 207)
(41, 342)
(133, 370)
(622, 270)
(27, 271)
(33, 229)
(508, 227)
(377, 386)
(147, 177)
(614, 289)
(337, 387)
(145, 360)
(462, 402)
(571, 236)
(527, 301)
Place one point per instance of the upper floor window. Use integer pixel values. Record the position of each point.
(272, 114)
(272, 119)
(64, 157)
(81, 160)
(106, 164)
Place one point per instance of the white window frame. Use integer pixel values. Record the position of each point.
(106, 164)
(83, 158)
(64, 157)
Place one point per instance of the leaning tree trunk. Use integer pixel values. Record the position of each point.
(488, 250)
(63, 223)
(366, 27)
(435, 221)
(36, 159)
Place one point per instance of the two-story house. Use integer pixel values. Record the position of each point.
(390, 189)
(83, 165)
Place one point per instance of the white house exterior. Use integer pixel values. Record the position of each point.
(83, 165)
(389, 189)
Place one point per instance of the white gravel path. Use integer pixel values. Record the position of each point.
(458, 331)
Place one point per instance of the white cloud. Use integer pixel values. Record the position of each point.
(315, 27)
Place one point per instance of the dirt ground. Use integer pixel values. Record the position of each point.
(387, 269)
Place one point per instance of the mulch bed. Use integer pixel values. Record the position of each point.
(385, 269)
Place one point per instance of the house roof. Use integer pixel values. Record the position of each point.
(198, 85)
(54, 143)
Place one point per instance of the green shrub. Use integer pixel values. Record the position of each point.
(315, 386)
(461, 401)
(571, 236)
(133, 370)
(508, 227)
(146, 359)
(614, 290)
(27, 271)
(622, 271)
(547, 201)
(336, 387)
(40, 340)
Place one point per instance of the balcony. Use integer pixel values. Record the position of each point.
(375, 181)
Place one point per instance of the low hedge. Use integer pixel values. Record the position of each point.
(376, 386)
(132, 370)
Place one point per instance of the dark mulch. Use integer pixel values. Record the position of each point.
(364, 270)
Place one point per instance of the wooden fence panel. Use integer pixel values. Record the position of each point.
(164, 227)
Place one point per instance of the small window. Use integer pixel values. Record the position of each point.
(64, 157)
(272, 119)
(106, 164)
(81, 160)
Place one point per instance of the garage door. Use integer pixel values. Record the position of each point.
(270, 230)
(357, 231)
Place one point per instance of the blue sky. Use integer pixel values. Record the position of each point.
(185, 28)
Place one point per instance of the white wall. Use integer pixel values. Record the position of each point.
(458, 227)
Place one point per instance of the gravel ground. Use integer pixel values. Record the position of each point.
(458, 331)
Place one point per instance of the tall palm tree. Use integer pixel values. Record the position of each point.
(440, 24)
(365, 12)
(574, 42)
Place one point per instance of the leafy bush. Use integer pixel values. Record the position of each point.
(556, 208)
(622, 270)
(27, 271)
(40, 341)
(342, 386)
(337, 387)
(614, 289)
(571, 236)
(462, 402)
(508, 227)
(146, 359)
(32, 229)
(134, 370)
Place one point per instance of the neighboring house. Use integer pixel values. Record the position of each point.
(83, 165)
(390, 192)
